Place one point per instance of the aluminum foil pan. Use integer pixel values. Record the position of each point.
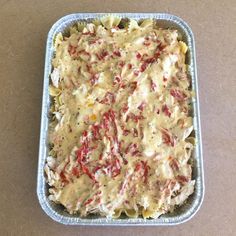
(181, 214)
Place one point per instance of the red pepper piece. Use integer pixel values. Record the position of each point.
(166, 110)
(138, 55)
(75, 171)
(182, 179)
(153, 86)
(117, 53)
(143, 67)
(179, 95)
(71, 50)
(88, 201)
(142, 106)
(168, 138)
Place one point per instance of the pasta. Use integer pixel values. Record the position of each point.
(120, 132)
(110, 22)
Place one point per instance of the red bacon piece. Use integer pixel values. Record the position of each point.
(144, 167)
(116, 80)
(132, 148)
(108, 99)
(179, 95)
(143, 67)
(94, 79)
(138, 55)
(150, 60)
(161, 47)
(136, 72)
(125, 108)
(142, 106)
(95, 131)
(145, 43)
(168, 138)
(75, 171)
(63, 178)
(164, 79)
(71, 50)
(166, 110)
(121, 64)
(174, 164)
(88, 201)
(117, 53)
(102, 55)
(153, 86)
(133, 86)
(135, 132)
(182, 179)
(134, 117)
(126, 132)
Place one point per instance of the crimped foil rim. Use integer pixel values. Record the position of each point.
(41, 184)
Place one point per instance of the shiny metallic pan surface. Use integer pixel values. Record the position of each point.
(193, 203)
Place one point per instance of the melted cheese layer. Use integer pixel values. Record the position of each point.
(120, 122)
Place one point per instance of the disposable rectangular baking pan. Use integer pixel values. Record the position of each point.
(181, 214)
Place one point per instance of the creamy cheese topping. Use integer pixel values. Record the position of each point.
(120, 121)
